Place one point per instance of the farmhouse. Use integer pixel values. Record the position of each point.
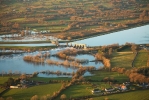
(123, 88)
(109, 89)
(14, 87)
(96, 91)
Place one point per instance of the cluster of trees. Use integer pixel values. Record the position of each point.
(100, 56)
(70, 58)
(44, 97)
(135, 75)
(144, 70)
(65, 54)
(138, 78)
(31, 58)
(68, 52)
(57, 73)
(66, 63)
(118, 69)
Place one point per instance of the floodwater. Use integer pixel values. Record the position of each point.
(14, 63)
(138, 35)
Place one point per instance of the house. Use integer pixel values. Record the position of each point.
(14, 87)
(126, 83)
(123, 88)
(109, 89)
(96, 91)
(144, 85)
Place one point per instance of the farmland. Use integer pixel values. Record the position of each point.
(71, 19)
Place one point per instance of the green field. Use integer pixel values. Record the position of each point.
(76, 91)
(141, 59)
(27, 93)
(122, 59)
(3, 79)
(134, 95)
(99, 75)
(44, 79)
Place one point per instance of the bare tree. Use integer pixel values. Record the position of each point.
(35, 97)
(63, 97)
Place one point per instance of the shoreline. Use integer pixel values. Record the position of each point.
(111, 31)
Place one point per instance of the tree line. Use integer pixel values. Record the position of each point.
(136, 75)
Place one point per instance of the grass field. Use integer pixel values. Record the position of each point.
(76, 91)
(122, 59)
(47, 79)
(141, 59)
(3, 79)
(135, 95)
(26, 94)
(99, 75)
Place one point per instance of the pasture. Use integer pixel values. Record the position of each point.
(27, 93)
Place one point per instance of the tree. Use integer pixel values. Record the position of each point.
(43, 98)
(110, 51)
(63, 97)
(35, 97)
(23, 76)
(134, 48)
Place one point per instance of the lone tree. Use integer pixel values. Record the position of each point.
(134, 48)
(63, 97)
(35, 97)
